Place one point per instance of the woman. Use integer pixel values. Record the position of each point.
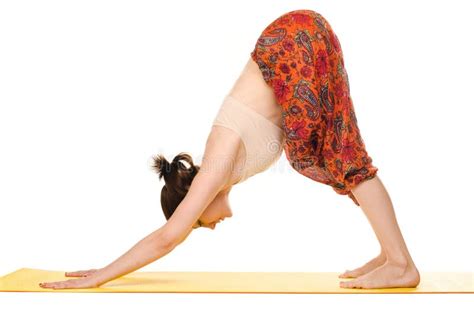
(292, 96)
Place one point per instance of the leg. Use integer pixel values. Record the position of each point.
(300, 57)
(379, 260)
(398, 270)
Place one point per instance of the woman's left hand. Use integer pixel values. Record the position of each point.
(83, 282)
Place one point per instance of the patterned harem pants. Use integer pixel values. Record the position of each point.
(300, 57)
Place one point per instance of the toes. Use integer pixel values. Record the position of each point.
(347, 274)
(344, 274)
(350, 284)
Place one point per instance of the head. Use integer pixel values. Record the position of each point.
(178, 179)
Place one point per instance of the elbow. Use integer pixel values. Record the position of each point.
(160, 240)
(171, 234)
(165, 243)
(171, 241)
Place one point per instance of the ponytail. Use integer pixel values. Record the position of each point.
(178, 179)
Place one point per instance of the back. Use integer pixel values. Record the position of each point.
(252, 90)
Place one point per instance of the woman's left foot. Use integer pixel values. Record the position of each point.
(387, 275)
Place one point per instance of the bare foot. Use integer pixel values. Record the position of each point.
(386, 276)
(371, 265)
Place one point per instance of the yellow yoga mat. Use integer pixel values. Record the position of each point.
(27, 280)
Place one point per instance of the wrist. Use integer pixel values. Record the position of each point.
(97, 278)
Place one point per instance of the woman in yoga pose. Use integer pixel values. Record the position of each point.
(292, 96)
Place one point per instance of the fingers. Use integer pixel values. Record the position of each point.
(80, 273)
(54, 285)
(76, 273)
(69, 284)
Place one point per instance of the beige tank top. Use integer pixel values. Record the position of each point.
(262, 138)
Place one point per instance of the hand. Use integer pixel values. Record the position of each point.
(81, 273)
(87, 280)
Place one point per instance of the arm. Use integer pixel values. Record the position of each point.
(141, 254)
(221, 148)
(216, 169)
(147, 250)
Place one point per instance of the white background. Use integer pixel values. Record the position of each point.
(90, 90)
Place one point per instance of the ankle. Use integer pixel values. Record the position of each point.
(398, 261)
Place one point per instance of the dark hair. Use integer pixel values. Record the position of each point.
(177, 178)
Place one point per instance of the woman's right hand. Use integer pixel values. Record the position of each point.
(81, 273)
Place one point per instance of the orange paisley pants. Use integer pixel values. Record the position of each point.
(300, 57)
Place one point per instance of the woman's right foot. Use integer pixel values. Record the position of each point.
(371, 265)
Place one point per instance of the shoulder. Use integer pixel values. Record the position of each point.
(222, 142)
(220, 156)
